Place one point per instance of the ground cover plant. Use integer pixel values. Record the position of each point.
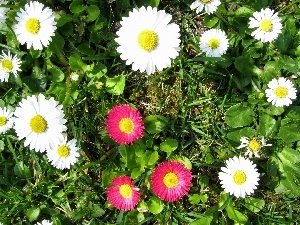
(149, 112)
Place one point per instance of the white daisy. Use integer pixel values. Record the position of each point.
(280, 92)
(6, 120)
(44, 222)
(40, 122)
(63, 155)
(253, 145)
(74, 76)
(267, 23)
(35, 25)
(147, 40)
(8, 64)
(214, 43)
(3, 11)
(210, 6)
(239, 177)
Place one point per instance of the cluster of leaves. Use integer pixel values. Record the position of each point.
(221, 100)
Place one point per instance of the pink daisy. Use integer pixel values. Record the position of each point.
(124, 124)
(123, 195)
(170, 181)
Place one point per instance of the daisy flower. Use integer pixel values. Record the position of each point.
(44, 222)
(41, 122)
(214, 43)
(8, 64)
(253, 145)
(280, 92)
(147, 39)
(6, 120)
(210, 6)
(64, 154)
(123, 194)
(124, 124)
(170, 181)
(267, 23)
(3, 11)
(35, 25)
(239, 177)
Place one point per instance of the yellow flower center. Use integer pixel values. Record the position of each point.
(126, 125)
(147, 40)
(214, 43)
(254, 145)
(33, 25)
(239, 177)
(7, 65)
(170, 180)
(63, 151)
(3, 121)
(125, 190)
(281, 92)
(266, 25)
(205, 1)
(38, 124)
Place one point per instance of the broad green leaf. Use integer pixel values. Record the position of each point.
(273, 110)
(284, 41)
(289, 131)
(210, 21)
(57, 74)
(236, 134)
(115, 85)
(270, 69)
(254, 204)
(155, 124)
(62, 18)
(208, 217)
(187, 163)
(236, 215)
(32, 213)
(244, 11)
(245, 65)
(293, 112)
(239, 115)
(76, 63)
(194, 199)
(77, 6)
(136, 172)
(107, 176)
(128, 157)
(155, 205)
(169, 145)
(123, 4)
(93, 12)
(97, 211)
(21, 170)
(153, 3)
(267, 125)
(151, 157)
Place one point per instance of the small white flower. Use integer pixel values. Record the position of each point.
(210, 6)
(44, 222)
(147, 39)
(6, 120)
(239, 177)
(214, 43)
(8, 64)
(74, 76)
(280, 92)
(64, 154)
(253, 146)
(3, 11)
(35, 25)
(41, 122)
(268, 25)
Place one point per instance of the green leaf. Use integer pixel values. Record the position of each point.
(245, 65)
(210, 21)
(32, 213)
(155, 205)
(239, 115)
(115, 85)
(235, 134)
(76, 63)
(187, 163)
(155, 124)
(169, 145)
(289, 131)
(77, 6)
(208, 217)
(57, 74)
(151, 157)
(128, 156)
(93, 12)
(273, 110)
(194, 199)
(267, 125)
(97, 211)
(254, 204)
(236, 215)
(153, 3)
(21, 170)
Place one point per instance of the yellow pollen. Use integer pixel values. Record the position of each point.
(126, 125)
(7, 65)
(214, 43)
(254, 145)
(125, 190)
(170, 180)
(281, 92)
(38, 124)
(63, 151)
(3, 121)
(239, 177)
(147, 40)
(33, 25)
(205, 1)
(266, 25)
